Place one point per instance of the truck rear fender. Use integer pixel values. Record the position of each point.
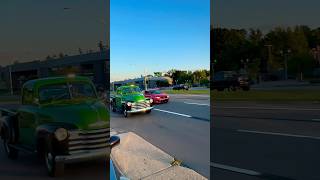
(11, 125)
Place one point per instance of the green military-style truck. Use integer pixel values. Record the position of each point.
(60, 118)
(130, 99)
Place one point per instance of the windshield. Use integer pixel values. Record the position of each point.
(56, 92)
(155, 92)
(129, 90)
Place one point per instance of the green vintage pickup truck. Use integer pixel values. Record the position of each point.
(61, 119)
(130, 99)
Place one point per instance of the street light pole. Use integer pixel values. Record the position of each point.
(286, 67)
(145, 79)
(10, 77)
(286, 56)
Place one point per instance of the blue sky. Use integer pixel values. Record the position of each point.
(34, 29)
(158, 35)
(265, 15)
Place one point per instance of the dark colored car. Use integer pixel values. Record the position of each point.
(180, 87)
(157, 96)
(230, 80)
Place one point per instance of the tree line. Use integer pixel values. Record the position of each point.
(288, 51)
(197, 77)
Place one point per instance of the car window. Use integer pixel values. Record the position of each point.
(53, 92)
(129, 90)
(82, 90)
(27, 97)
(56, 92)
(155, 92)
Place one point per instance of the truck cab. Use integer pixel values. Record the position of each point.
(130, 99)
(62, 119)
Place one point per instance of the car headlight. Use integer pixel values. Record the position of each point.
(61, 134)
(151, 100)
(129, 103)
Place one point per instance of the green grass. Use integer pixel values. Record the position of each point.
(203, 91)
(267, 95)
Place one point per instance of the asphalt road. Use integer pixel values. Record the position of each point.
(181, 128)
(29, 166)
(265, 141)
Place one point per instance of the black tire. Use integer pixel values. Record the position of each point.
(220, 89)
(148, 111)
(113, 106)
(246, 88)
(125, 112)
(55, 169)
(11, 152)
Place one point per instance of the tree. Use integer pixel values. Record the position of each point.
(100, 45)
(199, 75)
(170, 73)
(61, 55)
(80, 51)
(157, 74)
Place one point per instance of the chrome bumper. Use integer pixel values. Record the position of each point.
(84, 156)
(140, 110)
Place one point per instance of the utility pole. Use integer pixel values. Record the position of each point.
(145, 79)
(269, 46)
(286, 56)
(286, 67)
(10, 76)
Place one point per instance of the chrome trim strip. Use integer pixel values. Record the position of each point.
(78, 137)
(88, 146)
(140, 110)
(83, 155)
(89, 141)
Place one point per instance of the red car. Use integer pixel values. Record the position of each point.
(157, 96)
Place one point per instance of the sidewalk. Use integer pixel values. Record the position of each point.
(138, 159)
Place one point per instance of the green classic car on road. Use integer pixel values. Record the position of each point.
(60, 118)
(130, 99)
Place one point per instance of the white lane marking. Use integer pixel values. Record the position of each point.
(190, 95)
(279, 134)
(199, 104)
(170, 112)
(235, 169)
(269, 108)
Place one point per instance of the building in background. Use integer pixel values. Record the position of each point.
(152, 82)
(94, 65)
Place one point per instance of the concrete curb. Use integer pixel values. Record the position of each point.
(136, 158)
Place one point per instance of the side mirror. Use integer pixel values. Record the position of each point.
(114, 140)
